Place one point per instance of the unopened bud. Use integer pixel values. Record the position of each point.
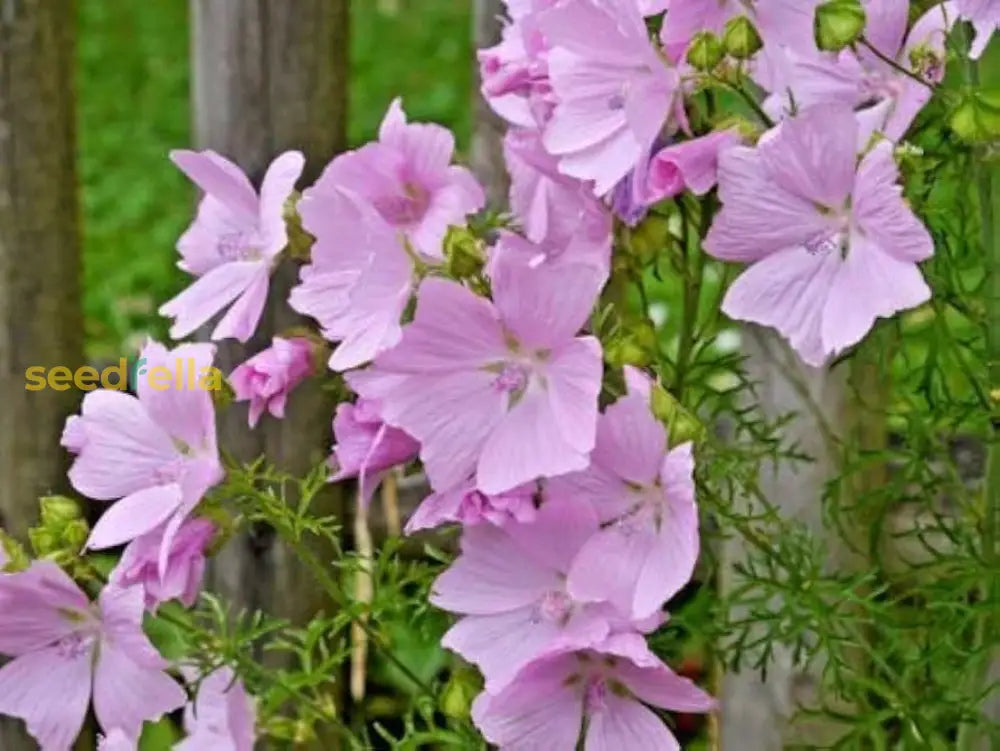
(682, 426)
(838, 24)
(741, 38)
(705, 52)
(464, 253)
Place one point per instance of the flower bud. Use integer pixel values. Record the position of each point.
(681, 425)
(634, 345)
(456, 699)
(464, 253)
(977, 117)
(705, 51)
(12, 555)
(61, 532)
(838, 23)
(741, 38)
(649, 239)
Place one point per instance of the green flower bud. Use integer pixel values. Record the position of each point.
(300, 242)
(456, 699)
(57, 509)
(61, 532)
(635, 344)
(838, 24)
(17, 558)
(741, 38)
(649, 239)
(464, 253)
(705, 51)
(681, 425)
(977, 118)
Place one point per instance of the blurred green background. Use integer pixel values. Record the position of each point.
(134, 107)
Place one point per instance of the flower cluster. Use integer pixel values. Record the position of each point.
(577, 509)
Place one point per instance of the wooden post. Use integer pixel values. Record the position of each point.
(40, 315)
(756, 713)
(488, 129)
(271, 75)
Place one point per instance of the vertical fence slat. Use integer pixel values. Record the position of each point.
(40, 314)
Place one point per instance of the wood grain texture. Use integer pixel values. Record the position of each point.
(40, 315)
(487, 133)
(271, 75)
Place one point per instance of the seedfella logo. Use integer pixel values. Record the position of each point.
(184, 375)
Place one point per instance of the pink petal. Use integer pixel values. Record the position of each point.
(573, 379)
(127, 694)
(135, 515)
(208, 295)
(183, 410)
(219, 178)
(39, 606)
(50, 690)
(277, 186)
(241, 320)
(625, 723)
(788, 291)
(631, 440)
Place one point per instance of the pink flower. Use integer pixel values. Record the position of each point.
(408, 178)
(553, 209)
(512, 249)
(503, 390)
(687, 165)
(510, 584)
(366, 447)
(514, 72)
(608, 689)
(833, 246)
(614, 93)
(156, 452)
(360, 279)
(233, 243)
(643, 494)
(889, 100)
(467, 506)
(182, 578)
(267, 378)
(985, 18)
(67, 651)
(222, 717)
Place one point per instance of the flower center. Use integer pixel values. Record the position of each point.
(554, 607)
(405, 208)
(512, 379)
(74, 646)
(595, 695)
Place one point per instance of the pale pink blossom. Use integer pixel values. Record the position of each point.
(222, 717)
(408, 178)
(614, 92)
(687, 165)
(182, 578)
(467, 506)
(156, 451)
(643, 494)
(360, 277)
(233, 243)
(514, 72)
(503, 390)
(68, 651)
(832, 243)
(985, 18)
(510, 585)
(605, 690)
(553, 209)
(887, 99)
(267, 378)
(366, 447)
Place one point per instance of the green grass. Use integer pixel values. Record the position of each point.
(133, 80)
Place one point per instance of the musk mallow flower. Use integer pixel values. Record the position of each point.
(614, 93)
(360, 276)
(222, 716)
(509, 583)
(367, 448)
(514, 73)
(887, 99)
(504, 390)
(267, 378)
(985, 18)
(831, 242)
(467, 506)
(408, 178)
(643, 494)
(686, 165)
(68, 652)
(607, 692)
(233, 243)
(181, 579)
(156, 451)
